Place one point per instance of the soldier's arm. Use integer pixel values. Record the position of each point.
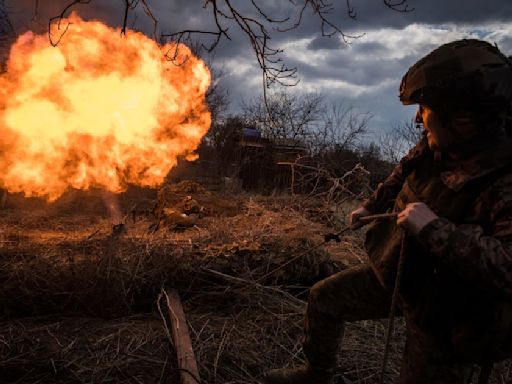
(482, 259)
(384, 196)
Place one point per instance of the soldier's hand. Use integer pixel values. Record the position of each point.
(354, 219)
(415, 217)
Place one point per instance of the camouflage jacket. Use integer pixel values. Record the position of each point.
(457, 281)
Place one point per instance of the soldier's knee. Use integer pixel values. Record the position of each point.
(316, 292)
(324, 301)
(323, 297)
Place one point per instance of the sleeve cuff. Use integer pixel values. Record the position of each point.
(435, 236)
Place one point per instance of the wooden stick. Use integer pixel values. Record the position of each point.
(378, 216)
(179, 330)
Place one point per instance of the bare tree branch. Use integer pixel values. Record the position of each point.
(127, 5)
(150, 14)
(351, 11)
(256, 28)
(59, 19)
(36, 10)
(398, 5)
(341, 127)
(255, 23)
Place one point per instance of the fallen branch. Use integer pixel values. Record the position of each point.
(181, 339)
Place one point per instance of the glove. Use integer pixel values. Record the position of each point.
(354, 219)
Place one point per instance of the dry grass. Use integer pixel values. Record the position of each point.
(70, 265)
(86, 350)
(78, 303)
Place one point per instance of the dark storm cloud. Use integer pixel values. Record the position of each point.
(373, 14)
(506, 45)
(183, 14)
(359, 65)
(177, 15)
(326, 42)
(23, 11)
(375, 48)
(461, 11)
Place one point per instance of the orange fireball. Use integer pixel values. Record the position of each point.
(98, 110)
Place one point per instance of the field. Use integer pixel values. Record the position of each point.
(81, 297)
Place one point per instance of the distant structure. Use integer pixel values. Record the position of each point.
(261, 161)
(6, 35)
(255, 163)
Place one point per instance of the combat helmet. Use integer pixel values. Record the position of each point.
(462, 74)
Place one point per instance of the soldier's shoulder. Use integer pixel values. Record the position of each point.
(420, 148)
(415, 155)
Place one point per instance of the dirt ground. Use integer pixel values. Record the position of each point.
(78, 293)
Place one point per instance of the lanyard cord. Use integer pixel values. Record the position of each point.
(393, 308)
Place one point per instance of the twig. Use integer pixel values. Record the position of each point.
(59, 19)
(254, 283)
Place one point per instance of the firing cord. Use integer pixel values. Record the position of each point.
(486, 367)
(328, 237)
(393, 308)
(396, 289)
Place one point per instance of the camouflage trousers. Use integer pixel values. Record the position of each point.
(356, 294)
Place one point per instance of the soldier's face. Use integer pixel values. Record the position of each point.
(438, 136)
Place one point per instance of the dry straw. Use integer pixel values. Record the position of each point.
(79, 305)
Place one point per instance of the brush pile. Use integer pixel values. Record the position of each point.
(69, 264)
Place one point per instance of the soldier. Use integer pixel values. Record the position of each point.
(453, 196)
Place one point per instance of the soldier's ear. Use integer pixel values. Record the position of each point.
(465, 124)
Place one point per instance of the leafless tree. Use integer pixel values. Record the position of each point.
(328, 131)
(224, 136)
(286, 116)
(341, 127)
(395, 143)
(217, 96)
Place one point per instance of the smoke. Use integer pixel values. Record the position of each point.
(111, 202)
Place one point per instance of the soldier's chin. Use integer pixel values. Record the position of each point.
(432, 144)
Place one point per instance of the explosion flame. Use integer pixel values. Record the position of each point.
(98, 110)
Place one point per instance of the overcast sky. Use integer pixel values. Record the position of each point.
(365, 73)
